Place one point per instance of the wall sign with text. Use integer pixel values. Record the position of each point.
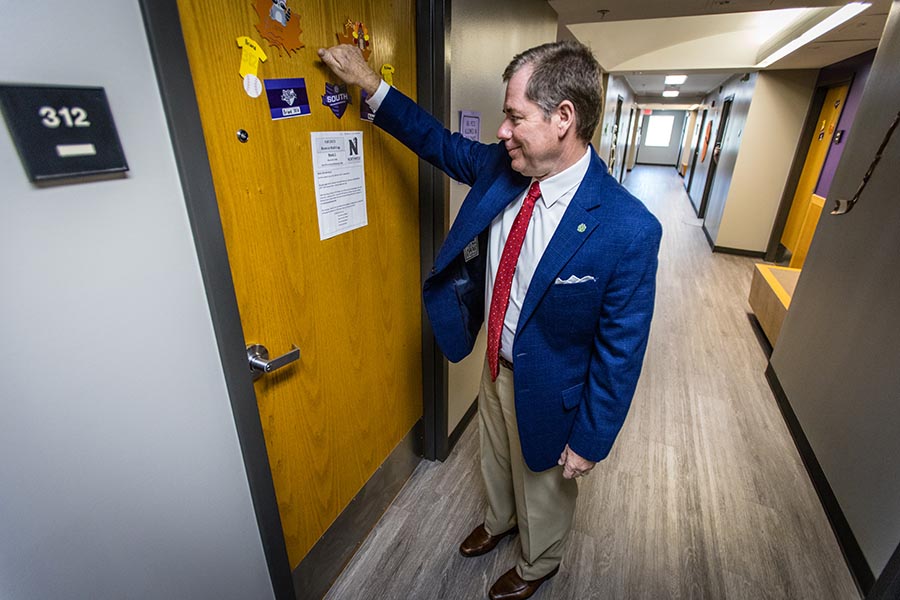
(62, 132)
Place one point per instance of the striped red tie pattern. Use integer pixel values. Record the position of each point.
(504, 277)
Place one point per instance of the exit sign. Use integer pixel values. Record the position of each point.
(61, 131)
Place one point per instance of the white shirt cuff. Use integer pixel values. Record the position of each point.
(378, 97)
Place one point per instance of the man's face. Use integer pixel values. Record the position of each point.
(533, 141)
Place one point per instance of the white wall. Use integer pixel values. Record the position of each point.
(121, 474)
(484, 38)
(770, 137)
(836, 356)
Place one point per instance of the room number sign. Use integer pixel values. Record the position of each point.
(62, 132)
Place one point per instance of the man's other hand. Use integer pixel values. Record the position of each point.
(574, 465)
(348, 63)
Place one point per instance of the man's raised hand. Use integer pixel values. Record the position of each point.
(348, 64)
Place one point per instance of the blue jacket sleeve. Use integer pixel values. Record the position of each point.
(458, 157)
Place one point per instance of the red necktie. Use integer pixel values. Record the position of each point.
(504, 277)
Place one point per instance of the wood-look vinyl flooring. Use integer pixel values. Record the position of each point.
(703, 496)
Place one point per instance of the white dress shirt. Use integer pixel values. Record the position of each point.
(556, 192)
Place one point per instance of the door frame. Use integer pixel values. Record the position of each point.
(627, 145)
(170, 61)
(176, 87)
(774, 250)
(696, 153)
(614, 142)
(714, 159)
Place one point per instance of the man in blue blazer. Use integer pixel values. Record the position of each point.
(560, 260)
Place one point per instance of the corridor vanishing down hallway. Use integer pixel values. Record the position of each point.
(703, 496)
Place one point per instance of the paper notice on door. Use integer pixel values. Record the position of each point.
(340, 181)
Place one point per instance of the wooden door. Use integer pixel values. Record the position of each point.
(350, 303)
(812, 166)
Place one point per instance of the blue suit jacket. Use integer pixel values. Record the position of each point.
(579, 348)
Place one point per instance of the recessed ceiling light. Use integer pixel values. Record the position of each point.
(670, 93)
(675, 79)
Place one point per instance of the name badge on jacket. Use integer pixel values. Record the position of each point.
(471, 250)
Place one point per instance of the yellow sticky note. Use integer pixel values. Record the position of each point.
(387, 73)
(251, 56)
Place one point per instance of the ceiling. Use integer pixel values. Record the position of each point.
(710, 40)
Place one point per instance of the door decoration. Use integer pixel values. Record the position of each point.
(365, 113)
(287, 98)
(706, 141)
(251, 56)
(336, 98)
(278, 25)
(387, 73)
(356, 34)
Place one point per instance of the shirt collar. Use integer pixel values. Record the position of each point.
(554, 188)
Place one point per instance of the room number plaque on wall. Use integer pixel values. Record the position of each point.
(62, 132)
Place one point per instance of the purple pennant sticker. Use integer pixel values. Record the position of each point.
(287, 98)
(336, 98)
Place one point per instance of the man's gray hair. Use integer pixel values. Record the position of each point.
(563, 71)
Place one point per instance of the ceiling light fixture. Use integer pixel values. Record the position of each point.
(841, 16)
(670, 94)
(675, 79)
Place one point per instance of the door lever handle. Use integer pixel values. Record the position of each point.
(258, 357)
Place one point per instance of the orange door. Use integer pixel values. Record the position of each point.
(351, 302)
(812, 167)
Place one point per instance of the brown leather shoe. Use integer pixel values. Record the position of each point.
(481, 542)
(512, 587)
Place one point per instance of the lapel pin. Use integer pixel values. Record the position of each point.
(582, 228)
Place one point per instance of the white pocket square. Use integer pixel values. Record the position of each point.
(574, 279)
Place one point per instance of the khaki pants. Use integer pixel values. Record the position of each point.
(542, 504)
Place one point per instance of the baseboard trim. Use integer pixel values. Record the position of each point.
(316, 573)
(463, 423)
(888, 585)
(712, 244)
(737, 251)
(856, 561)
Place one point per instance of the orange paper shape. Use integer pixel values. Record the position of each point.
(356, 34)
(278, 24)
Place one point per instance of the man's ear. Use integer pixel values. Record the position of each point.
(566, 121)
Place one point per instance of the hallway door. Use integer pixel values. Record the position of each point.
(350, 303)
(660, 138)
(812, 166)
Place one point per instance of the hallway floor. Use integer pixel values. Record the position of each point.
(703, 496)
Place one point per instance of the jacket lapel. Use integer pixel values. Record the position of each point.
(576, 226)
(475, 215)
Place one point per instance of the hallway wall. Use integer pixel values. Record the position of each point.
(122, 475)
(765, 129)
(616, 86)
(836, 356)
(483, 39)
